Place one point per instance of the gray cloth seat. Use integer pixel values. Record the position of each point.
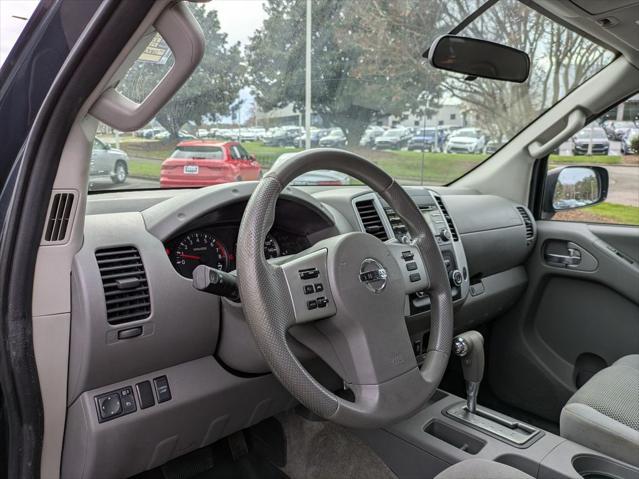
(604, 413)
(481, 469)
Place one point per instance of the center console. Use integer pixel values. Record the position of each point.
(449, 430)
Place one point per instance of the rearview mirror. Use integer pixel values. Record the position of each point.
(479, 58)
(573, 187)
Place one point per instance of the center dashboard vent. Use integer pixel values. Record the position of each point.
(126, 290)
(528, 223)
(370, 219)
(449, 220)
(398, 226)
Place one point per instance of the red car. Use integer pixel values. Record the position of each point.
(201, 163)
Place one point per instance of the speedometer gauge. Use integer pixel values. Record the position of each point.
(199, 247)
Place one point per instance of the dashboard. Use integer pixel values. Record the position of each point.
(150, 326)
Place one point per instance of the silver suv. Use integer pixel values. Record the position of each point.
(107, 161)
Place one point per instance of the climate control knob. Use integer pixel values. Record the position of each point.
(444, 235)
(456, 277)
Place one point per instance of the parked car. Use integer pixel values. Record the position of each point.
(393, 139)
(108, 162)
(202, 163)
(316, 177)
(425, 139)
(252, 134)
(372, 132)
(282, 136)
(492, 146)
(595, 135)
(621, 127)
(466, 140)
(626, 146)
(316, 134)
(334, 139)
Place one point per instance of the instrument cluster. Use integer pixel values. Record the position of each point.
(216, 247)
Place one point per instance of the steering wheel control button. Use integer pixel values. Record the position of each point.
(312, 304)
(412, 266)
(310, 273)
(322, 302)
(145, 394)
(162, 389)
(319, 287)
(109, 406)
(407, 255)
(308, 289)
(414, 277)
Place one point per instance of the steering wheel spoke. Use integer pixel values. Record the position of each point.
(309, 286)
(411, 264)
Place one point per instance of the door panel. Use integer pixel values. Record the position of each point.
(574, 319)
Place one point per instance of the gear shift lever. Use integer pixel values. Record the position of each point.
(469, 346)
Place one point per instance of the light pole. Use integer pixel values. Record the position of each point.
(307, 103)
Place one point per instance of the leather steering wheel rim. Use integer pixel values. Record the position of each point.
(387, 383)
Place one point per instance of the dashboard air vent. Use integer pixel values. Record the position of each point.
(449, 220)
(370, 218)
(398, 226)
(126, 290)
(59, 216)
(530, 232)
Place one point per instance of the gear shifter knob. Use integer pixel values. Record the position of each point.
(469, 346)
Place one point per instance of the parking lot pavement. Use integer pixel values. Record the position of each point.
(129, 184)
(622, 188)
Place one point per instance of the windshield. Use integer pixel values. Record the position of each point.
(371, 92)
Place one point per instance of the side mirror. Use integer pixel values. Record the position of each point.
(479, 58)
(108, 146)
(573, 187)
(252, 158)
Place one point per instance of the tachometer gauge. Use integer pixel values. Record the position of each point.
(271, 247)
(198, 248)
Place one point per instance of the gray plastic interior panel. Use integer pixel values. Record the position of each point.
(207, 404)
(414, 449)
(564, 314)
(475, 213)
(237, 349)
(183, 324)
(164, 219)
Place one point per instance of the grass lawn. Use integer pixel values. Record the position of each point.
(621, 214)
(584, 160)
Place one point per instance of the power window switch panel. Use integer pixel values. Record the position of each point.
(145, 394)
(162, 389)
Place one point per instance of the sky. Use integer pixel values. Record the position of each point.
(10, 27)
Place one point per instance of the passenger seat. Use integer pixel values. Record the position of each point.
(604, 413)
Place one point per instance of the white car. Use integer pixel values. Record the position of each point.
(317, 177)
(466, 140)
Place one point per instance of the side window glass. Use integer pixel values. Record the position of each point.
(235, 154)
(610, 142)
(243, 153)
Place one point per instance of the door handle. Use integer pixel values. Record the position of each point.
(573, 258)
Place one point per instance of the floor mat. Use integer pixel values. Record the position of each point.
(321, 449)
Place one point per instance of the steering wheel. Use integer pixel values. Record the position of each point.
(354, 318)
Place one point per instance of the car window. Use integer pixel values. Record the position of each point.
(235, 153)
(617, 151)
(98, 145)
(367, 74)
(198, 152)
